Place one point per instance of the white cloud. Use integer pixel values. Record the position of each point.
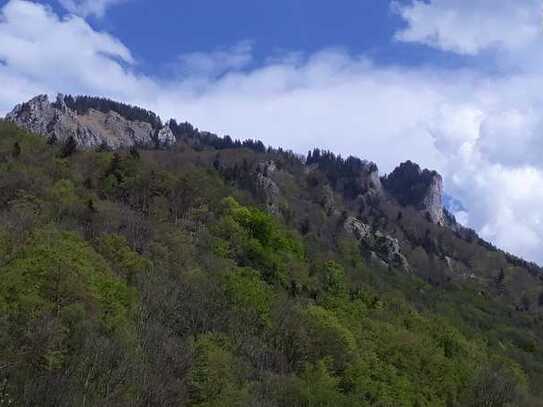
(513, 138)
(470, 26)
(85, 8)
(44, 51)
(503, 203)
(482, 132)
(215, 63)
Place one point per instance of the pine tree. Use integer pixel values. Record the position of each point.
(69, 148)
(16, 150)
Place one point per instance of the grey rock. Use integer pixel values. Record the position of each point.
(90, 129)
(433, 200)
(373, 180)
(35, 115)
(421, 189)
(165, 136)
(267, 187)
(388, 248)
(360, 230)
(384, 247)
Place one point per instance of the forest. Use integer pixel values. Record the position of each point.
(158, 278)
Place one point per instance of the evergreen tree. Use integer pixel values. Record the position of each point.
(16, 152)
(69, 148)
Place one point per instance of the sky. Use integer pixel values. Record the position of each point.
(454, 85)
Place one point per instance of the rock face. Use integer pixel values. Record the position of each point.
(360, 230)
(386, 249)
(90, 129)
(165, 136)
(421, 189)
(372, 180)
(368, 183)
(267, 187)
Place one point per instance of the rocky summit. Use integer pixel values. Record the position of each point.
(89, 128)
(422, 189)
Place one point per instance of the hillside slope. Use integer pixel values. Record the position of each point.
(205, 271)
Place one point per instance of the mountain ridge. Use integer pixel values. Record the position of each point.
(95, 122)
(98, 122)
(90, 128)
(279, 271)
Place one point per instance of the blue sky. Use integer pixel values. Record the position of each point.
(451, 84)
(160, 30)
(275, 26)
(297, 25)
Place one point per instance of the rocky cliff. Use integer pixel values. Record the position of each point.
(421, 189)
(90, 128)
(266, 187)
(379, 246)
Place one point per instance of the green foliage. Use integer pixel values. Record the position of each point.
(333, 281)
(56, 270)
(318, 387)
(254, 238)
(5, 246)
(498, 384)
(63, 197)
(213, 377)
(328, 338)
(249, 295)
(122, 258)
(64, 193)
(154, 279)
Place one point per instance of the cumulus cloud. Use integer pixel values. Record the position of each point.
(492, 139)
(468, 27)
(513, 138)
(42, 51)
(481, 132)
(85, 8)
(503, 203)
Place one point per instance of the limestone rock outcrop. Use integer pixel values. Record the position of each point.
(165, 136)
(384, 248)
(267, 187)
(421, 189)
(90, 129)
(359, 230)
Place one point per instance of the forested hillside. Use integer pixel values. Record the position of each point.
(217, 273)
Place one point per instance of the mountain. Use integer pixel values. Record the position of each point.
(417, 188)
(91, 124)
(145, 263)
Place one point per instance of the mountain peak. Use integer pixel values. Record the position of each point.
(91, 122)
(422, 189)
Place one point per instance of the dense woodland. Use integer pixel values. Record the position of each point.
(156, 278)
